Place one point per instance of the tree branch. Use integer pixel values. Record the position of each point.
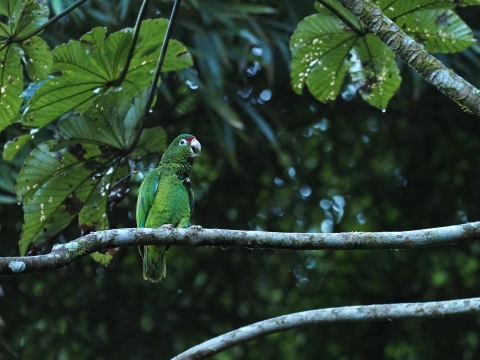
(431, 69)
(436, 309)
(64, 254)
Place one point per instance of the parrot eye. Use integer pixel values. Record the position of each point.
(183, 142)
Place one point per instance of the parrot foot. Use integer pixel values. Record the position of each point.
(167, 226)
(196, 227)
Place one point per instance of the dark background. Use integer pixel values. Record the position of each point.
(297, 165)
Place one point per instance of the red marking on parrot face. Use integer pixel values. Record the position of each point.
(189, 139)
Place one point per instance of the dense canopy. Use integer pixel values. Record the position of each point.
(272, 159)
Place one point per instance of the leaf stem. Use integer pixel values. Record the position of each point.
(48, 23)
(136, 32)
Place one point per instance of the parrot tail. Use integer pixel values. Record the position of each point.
(154, 264)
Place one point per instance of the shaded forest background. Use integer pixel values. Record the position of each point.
(284, 163)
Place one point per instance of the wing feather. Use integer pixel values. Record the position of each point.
(146, 195)
(191, 198)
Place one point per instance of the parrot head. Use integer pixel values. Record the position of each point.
(184, 148)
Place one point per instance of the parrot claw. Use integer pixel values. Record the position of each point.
(196, 227)
(167, 226)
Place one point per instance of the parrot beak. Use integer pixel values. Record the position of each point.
(195, 148)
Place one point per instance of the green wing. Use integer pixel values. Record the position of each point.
(191, 198)
(146, 195)
(154, 268)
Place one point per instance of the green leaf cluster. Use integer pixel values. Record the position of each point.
(331, 44)
(93, 66)
(101, 104)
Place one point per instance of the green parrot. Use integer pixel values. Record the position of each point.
(165, 198)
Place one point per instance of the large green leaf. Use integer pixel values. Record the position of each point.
(395, 8)
(439, 30)
(92, 66)
(374, 71)
(37, 57)
(101, 123)
(320, 47)
(11, 85)
(150, 40)
(12, 9)
(12, 147)
(432, 23)
(54, 187)
(33, 14)
(23, 16)
(111, 120)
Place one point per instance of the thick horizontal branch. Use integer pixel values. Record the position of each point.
(64, 254)
(430, 68)
(437, 309)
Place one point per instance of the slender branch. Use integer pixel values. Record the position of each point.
(64, 254)
(431, 310)
(161, 57)
(136, 32)
(431, 69)
(158, 71)
(48, 23)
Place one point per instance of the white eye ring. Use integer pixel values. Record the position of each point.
(183, 142)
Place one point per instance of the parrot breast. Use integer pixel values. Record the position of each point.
(171, 204)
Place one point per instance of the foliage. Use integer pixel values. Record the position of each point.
(73, 175)
(270, 160)
(328, 45)
(93, 66)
